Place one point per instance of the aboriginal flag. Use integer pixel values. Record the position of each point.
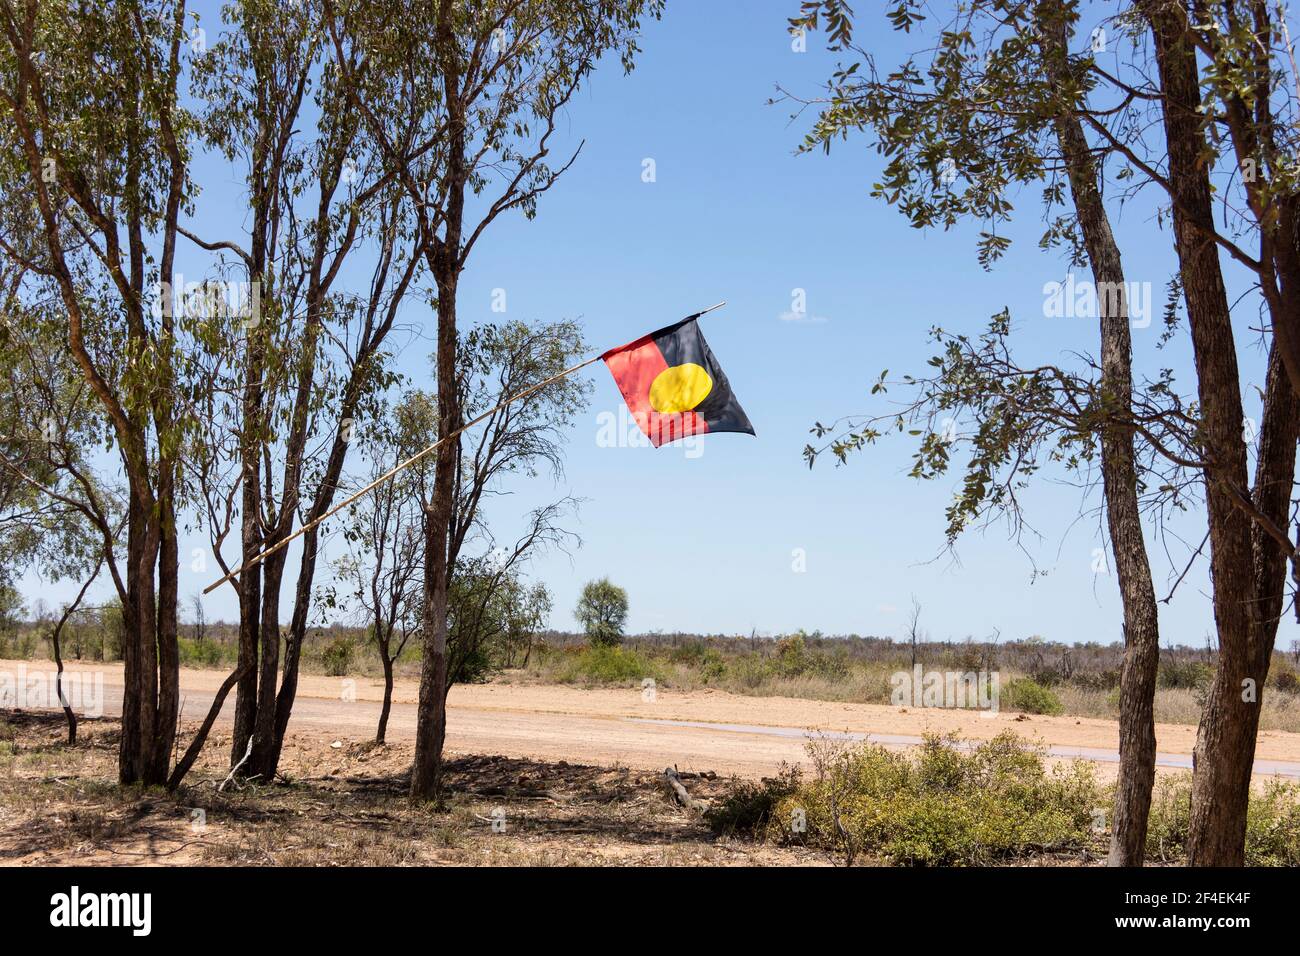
(674, 386)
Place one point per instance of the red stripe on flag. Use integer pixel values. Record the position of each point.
(635, 367)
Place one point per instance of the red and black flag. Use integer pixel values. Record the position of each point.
(674, 386)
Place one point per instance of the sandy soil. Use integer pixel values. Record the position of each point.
(347, 804)
(609, 727)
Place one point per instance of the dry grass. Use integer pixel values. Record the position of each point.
(344, 806)
(1176, 705)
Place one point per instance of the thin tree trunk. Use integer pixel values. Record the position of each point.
(128, 767)
(1137, 742)
(1225, 743)
(1137, 729)
(56, 645)
(444, 257)
(293, 642)
(251, 536)
(263, 761)
(431, 717)
(169, 665)
(145, 685)
(1137, 734)
(250, 602)
(200, 737)
(382, 731)
(58, 682)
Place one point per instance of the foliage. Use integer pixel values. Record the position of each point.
(492, 616)
(337, 656)
(11, 606)
(196, 653)
(747, 808)
(602, 611)
(1272, 822)
(1186, 674)
(606, 664)
(1028, 696)
(941, 805)
(1282, 676)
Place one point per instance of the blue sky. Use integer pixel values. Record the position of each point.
(705, 541)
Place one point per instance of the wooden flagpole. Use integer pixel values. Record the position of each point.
(414, 458)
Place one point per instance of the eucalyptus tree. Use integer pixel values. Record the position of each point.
(287, 387)
(1003, 103)
(60, 513)
(602, 612)
(94, 144)
(996, 109)
(1227, 81)
(493, 614)
(489, 82)
(1218, 81)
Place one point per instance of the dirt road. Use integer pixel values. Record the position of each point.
(702, 730)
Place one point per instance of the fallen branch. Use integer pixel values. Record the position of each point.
(683, 796)
(235, 769)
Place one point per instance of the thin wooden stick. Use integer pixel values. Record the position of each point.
(416, 457)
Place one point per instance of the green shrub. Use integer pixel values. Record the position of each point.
(1273, 826)
(200, 653)
(749, 671)
(690, 654)
(712, 667)
(791, 656)
(941, 805)
(20, 645)
(1030, 697)
(1046, 676)
(1272, 822)
(1107, 679)
(1184, 674)
(1282, 676)
(337, 656)
(832, 667)
(747, 809)
(606, 664)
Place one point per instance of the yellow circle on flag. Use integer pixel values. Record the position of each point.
(680, 388)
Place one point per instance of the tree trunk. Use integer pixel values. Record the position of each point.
(1225, 744)
(444, 258)
(263, 762)
(251, 536)
(63, 697)
(169, 664)
(302, 603)
(250, 602)
(382, 731)
(128, 767)
(1137, 729)
(431, 717)
(1137, 733)
(200, 737)
(293, 642)
(146, 678)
